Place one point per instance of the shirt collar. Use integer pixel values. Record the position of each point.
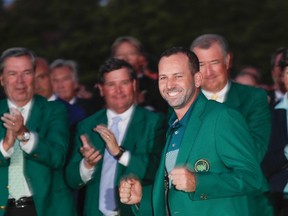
(279, 95)
(73, 100)
(52, 98)
(283, 104)
(221, 94)
(174, 121)
(25, 107)
(111, 114)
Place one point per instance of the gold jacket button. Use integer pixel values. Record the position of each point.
(203, 197)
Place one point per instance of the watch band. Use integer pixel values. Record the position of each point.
(119, 155)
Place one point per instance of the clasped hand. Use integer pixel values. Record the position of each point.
(14, 123)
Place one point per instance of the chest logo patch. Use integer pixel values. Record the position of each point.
(202, 165)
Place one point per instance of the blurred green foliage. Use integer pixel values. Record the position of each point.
(84, 30)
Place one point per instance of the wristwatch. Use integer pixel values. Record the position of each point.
(119, 155)
(25, 137)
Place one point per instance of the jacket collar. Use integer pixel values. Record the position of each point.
(233, 99)
(191, 130)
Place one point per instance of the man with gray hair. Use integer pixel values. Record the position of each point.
(215, 57)
(33, 143)
(65, 83)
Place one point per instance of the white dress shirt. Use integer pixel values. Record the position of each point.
(53, 97)
(222, 94)
(85, 173)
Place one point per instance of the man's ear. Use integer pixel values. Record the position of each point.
(134, 85)
(198, 79)
(99, 86)
(228, 60)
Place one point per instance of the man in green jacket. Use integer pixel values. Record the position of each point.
(107, 152)
(33, 144)
(215, 60)
(208, 166)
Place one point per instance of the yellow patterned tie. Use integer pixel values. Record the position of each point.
(214, 97)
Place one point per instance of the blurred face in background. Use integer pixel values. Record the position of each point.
(128, 52)
(17, 79)
(246, 79)
(63, 83)
(118, 90)
(43, 85)
(277, 74)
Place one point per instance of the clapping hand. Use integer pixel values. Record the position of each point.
(90, 154)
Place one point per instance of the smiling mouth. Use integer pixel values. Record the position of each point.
(172, 93)
(210, 78)
(20, 89)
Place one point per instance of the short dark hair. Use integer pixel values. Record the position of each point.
(112, 64)
(16, 52)
(193, 60)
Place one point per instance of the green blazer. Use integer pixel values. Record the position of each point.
(43, 167)
(252, 103)
(145, 139)
(218, 148)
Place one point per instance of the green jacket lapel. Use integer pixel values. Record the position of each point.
(232, 98)
(36, 114)
(100, 118)
(135, 119)
(191, 131)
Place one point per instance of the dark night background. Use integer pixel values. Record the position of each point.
(84, 30)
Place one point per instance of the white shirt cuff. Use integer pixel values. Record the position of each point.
(26, 147)
(85, 173)
(125, 158)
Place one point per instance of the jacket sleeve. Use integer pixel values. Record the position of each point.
(72, 170)
(52, 136)
(259, 123)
